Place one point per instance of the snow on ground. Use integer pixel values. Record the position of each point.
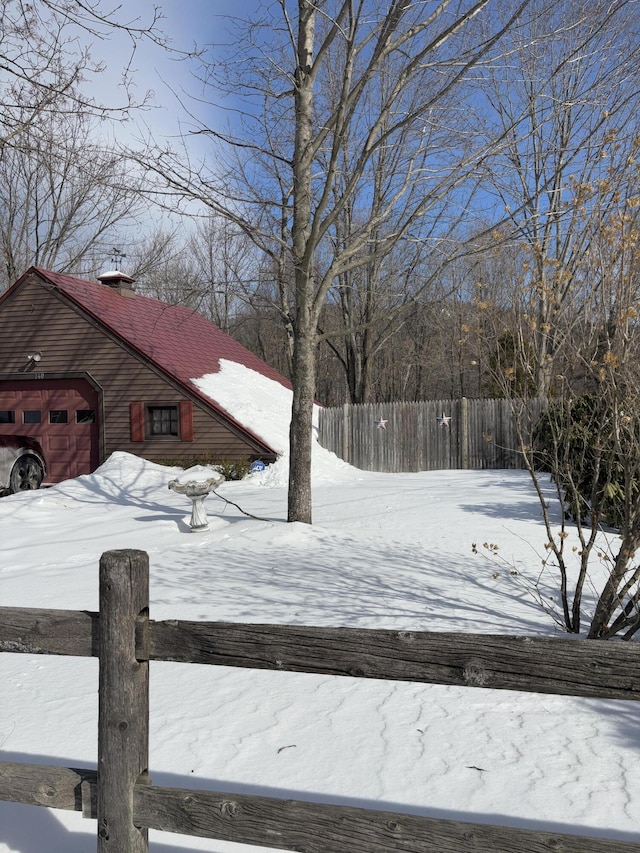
(391, 551)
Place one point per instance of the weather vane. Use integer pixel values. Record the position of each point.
(118, 255)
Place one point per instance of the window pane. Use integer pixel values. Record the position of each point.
(7, 417)
(31, 417)
(85, 416)
(164, 420)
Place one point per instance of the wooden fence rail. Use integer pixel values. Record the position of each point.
(121, 797)
(395, 437)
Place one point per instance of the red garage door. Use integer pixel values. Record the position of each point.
(62, 414)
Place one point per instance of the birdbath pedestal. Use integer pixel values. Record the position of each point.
(196, 483)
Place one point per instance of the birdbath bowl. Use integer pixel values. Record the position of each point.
(196, 483)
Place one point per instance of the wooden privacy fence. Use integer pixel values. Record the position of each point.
(394, 437)
(126, 804)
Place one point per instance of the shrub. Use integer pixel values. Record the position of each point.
(586, 447)
(231, 469)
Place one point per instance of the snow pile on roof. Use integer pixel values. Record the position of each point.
(264, 407)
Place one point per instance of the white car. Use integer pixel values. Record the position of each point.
(22, 463)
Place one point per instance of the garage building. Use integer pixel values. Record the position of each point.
(89, 368)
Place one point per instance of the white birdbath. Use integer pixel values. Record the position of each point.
(196, 483)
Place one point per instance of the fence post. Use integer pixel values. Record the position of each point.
(123, 715)
(464, 436)
(346, 432)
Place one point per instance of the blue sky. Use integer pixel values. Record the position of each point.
(186, 22)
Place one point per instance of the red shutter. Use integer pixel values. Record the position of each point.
(186, 420)
(136, 415)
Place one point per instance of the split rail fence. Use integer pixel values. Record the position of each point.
(396, 437)
(121, 796)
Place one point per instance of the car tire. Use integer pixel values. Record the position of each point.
(27, 474)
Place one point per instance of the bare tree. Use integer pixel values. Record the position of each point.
(372, 301)
(567, 329)
(566, 104)
(227, 268)
(64, 198)
(45, 60)
(588, 439)
(206, 263)
(342, 100)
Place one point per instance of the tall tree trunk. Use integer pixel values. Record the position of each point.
(303, 374)
(300, 432)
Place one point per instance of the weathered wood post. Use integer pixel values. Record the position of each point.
(346, 432)
(123, 715)
(464, 433)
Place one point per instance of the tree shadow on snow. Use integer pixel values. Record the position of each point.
(424, 590)
(524, 503)
(625, 717)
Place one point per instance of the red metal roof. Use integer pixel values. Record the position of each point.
(177, 340)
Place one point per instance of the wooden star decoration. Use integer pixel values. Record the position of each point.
(381, 423)
(444, 420)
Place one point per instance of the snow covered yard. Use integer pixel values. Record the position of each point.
(388, 551)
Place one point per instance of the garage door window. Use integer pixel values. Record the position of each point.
(31, 416)
(58, 416)
(85, 416)
(7, 417)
